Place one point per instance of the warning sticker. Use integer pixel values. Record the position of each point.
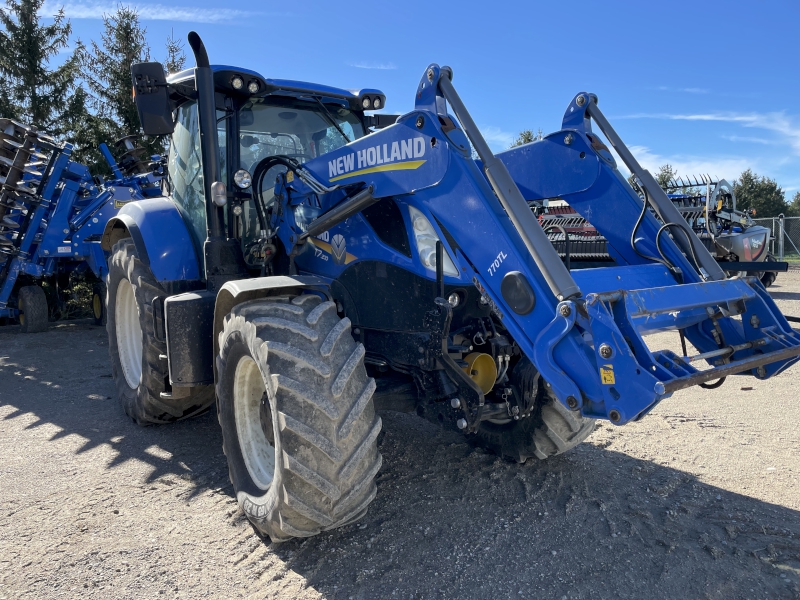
(607, 375)
(64, 249)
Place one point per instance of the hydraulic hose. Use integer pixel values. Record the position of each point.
(261, 170)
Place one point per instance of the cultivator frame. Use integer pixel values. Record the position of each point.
(52, 211)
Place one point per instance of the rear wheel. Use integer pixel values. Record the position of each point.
(298, 424)
(137, 367)
(32, 304)
(550, 430)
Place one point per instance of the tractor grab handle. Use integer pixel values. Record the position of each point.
(536, 241)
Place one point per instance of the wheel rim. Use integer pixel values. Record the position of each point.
(21, 316)
(129, 333)
(257, 452)
(97, 306)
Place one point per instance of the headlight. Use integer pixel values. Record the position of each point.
(242, 179)
(366, 103)
(237, 83)
(426, 238)
(376, 104)
(252, 87)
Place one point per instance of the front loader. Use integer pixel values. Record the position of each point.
(313, 260)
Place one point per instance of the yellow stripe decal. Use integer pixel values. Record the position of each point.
(401, 166)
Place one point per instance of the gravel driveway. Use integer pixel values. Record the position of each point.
(701, 499)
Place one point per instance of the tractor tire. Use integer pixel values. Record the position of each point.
(768, 277)
(32, 304)
(299, 428)
(99, 304)
(139, 373)
(551, 429)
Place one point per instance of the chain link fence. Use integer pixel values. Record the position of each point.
(785, 239)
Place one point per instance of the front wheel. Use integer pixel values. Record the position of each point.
(768, 277)
(139, 372)
(551, 428)
(298, 425)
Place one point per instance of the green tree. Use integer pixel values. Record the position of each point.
(526, 136)
(665, 176)
(760, 193)
(176, 58)
(38, 94)
(794, 206)
(108, 68)
(8, 109)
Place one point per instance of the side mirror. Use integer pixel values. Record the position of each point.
(152, 98)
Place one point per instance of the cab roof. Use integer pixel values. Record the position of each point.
(224, 76)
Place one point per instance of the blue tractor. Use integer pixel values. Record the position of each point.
(312, 260)
(52, 215)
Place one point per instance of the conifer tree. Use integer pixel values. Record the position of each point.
(36, 93)
(176, 58)
(108, 69)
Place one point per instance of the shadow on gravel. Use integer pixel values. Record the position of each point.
(776, 295)
(449, 521)
(62, 378)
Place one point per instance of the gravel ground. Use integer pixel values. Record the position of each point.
(698, 500)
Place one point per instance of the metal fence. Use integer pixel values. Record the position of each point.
(785, 236)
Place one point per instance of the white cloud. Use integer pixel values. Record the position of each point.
(777, 122)
(94, 9)
(690, 90)
(373, 65)
(725, 167)
(752, 140)
(497, 138)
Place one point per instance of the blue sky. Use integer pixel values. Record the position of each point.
(710, 87)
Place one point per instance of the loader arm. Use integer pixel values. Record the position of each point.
(582, 330)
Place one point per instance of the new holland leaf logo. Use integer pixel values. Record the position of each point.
(338, 249)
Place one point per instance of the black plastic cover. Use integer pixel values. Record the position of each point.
(518, 293)
(190, 332)
(152, 98)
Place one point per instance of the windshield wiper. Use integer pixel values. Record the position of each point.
(332, 120)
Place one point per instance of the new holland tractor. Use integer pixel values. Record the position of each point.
(304, 266)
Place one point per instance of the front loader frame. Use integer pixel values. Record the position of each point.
(585, 334)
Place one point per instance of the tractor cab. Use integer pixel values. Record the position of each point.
(256, 119)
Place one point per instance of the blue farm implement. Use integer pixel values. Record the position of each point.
(52, 214)
(311, 257)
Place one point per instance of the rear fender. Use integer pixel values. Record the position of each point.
(161, 237)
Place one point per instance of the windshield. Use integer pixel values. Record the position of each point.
(299, 129)
(302, 130)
